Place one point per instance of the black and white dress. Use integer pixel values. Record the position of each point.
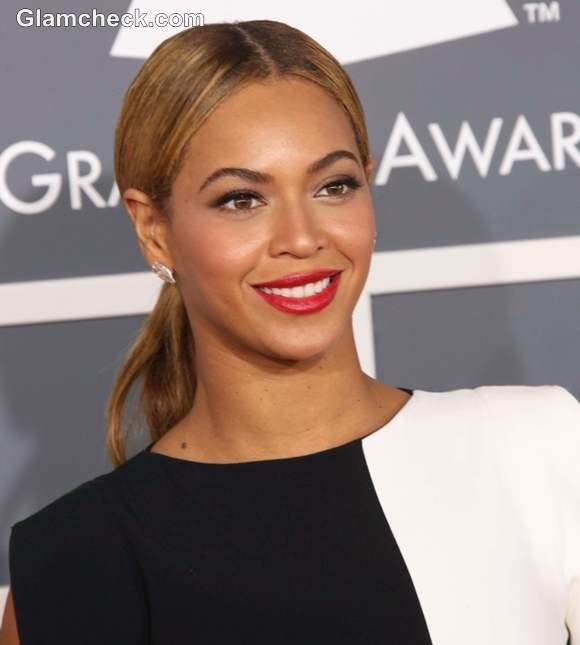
(456, 522)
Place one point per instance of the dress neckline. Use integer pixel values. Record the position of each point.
(296, 459)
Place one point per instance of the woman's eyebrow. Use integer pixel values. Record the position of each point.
(262, 177)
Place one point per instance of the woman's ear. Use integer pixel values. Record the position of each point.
(151, 227)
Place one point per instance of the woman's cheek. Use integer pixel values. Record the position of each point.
(356, 237)
(219, 258)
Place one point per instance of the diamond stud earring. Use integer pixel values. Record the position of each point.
(163, 272)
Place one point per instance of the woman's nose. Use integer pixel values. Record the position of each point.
(298, 232)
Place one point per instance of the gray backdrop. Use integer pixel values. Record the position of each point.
(474, 117)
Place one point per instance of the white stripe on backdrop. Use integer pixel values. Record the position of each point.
(424, 269)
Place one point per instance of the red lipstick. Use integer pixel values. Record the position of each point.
(296, 279)
(307, 304)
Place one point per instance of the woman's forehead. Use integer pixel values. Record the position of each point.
(262, 125)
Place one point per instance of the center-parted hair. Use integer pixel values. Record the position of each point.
(177, 88)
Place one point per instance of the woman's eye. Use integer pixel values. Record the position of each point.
(240, 201)
(341, 187)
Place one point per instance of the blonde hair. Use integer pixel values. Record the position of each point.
(177, 88)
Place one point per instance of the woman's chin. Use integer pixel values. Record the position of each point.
(297, 348)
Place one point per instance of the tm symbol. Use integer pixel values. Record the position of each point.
(542, 12)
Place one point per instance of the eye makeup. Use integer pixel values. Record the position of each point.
(351, 182)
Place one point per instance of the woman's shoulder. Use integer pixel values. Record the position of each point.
(79, 505)
(540, 420)
(535, 410)
(525, 427)
(86, 504)
(508, 405)
(535, 395)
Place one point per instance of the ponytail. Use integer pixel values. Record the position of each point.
(161, 358)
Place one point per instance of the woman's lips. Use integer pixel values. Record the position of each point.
(306, 305)
(297, 279)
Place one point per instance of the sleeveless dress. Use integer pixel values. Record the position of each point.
(456, 522)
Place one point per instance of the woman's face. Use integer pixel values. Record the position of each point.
(292, 220)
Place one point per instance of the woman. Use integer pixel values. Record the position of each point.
(286, 496)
